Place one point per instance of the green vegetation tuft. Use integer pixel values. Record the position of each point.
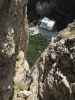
(37, 44)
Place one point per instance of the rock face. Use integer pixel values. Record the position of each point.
(60, 10)
(53, 75)
(41, 8)
(13, 40)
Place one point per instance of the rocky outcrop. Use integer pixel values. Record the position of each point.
(13, 41)
(53, 75)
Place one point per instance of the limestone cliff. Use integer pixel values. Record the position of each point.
(53, 74)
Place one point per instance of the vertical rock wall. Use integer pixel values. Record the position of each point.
(13, 41)
(54, 72)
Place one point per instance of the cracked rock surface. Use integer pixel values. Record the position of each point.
(54, 72)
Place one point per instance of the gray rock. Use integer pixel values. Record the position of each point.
(53, 72)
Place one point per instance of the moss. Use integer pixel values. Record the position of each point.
(37, 44)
